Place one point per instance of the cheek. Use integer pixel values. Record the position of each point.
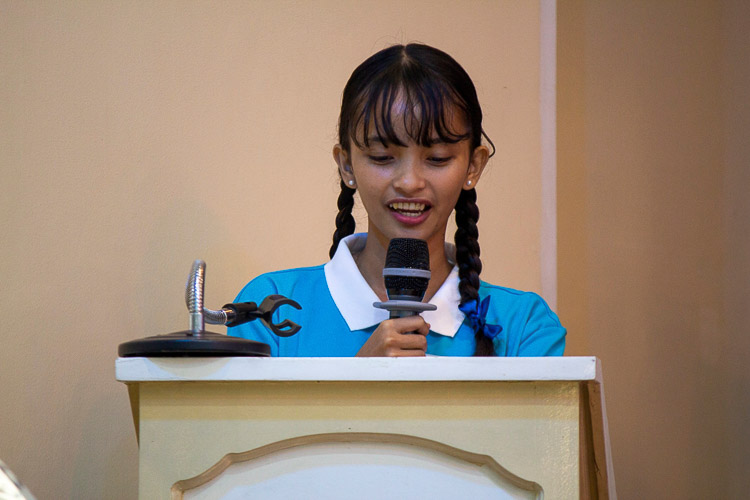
(452, 189)
(449, 206)
(369, 202)
(371, 181)
(368, 189)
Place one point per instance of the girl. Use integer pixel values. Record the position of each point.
(410, 141)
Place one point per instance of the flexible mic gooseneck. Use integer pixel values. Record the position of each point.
(407, 275)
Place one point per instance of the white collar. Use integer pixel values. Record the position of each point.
(354, 297)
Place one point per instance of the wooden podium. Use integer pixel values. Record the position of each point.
(368, 427)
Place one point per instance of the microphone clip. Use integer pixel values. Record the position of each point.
(244, 312)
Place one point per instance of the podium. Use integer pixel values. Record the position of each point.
(369, 427)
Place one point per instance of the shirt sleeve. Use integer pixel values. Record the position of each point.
(543, 334)
(256, 291)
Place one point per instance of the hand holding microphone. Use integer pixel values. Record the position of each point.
(398, 337)
(407, 275)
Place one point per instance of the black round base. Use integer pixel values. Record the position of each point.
(187, 344)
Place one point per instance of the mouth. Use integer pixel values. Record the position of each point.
(409, 209)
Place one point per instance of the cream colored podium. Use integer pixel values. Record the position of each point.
(326, 427)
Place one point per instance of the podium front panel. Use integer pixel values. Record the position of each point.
(186, 425)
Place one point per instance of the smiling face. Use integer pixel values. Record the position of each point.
(409, 189)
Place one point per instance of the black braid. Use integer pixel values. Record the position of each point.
(344, 220)
(467, 258)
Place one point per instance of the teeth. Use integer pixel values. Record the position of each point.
(408, 207)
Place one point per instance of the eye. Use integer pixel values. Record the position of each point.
(439, 160)
(380, 159)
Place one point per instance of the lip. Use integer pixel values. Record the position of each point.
(407, 219)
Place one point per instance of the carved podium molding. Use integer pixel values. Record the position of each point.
(484, 464)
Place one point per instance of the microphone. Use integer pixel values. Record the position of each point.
(407, 275)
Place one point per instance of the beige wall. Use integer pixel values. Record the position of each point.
(138, 136)
(654, 233)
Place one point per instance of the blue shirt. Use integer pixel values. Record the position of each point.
(337, 315)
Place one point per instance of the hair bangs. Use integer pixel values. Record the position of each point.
(424, 105)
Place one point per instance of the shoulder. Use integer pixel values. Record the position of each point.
(512, 297)
(517, 307)
(282, 281)
(530, 326)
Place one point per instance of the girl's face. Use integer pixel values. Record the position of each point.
(410, 191)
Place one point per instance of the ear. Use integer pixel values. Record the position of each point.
(341, 158)
(478, 161)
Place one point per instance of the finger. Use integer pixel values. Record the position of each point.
(411, 341)
(424, 329)
(410, 324)
(409, 353)
(394, 341)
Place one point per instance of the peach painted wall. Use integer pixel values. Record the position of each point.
(654, 233)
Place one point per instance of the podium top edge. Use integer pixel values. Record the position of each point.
(429, 369)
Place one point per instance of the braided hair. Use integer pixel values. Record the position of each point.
(432, 85)
(344, 220)
(467, 258)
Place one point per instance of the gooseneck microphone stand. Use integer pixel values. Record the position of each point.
(200, 343)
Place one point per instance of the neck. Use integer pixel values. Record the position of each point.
(371, 260)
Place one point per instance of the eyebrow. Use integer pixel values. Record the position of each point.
(374, 139)
(436, 140)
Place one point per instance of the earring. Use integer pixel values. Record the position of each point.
(351, 182)
(468, 183)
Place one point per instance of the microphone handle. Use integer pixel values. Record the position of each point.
(402, 313)
(404, 308)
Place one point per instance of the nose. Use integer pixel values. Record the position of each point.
(409, 176)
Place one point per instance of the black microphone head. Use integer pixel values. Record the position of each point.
(407, 269)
